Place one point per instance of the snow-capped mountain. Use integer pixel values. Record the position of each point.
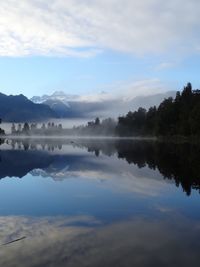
(57, 95)
(59, 102)
(74, 106)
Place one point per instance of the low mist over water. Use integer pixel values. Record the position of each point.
(67, 123)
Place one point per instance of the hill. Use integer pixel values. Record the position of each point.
(19, 108)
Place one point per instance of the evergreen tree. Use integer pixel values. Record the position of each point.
(26, 128)
(179, 116)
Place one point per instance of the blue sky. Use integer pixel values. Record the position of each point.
(86, 47)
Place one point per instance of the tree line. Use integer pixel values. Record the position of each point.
(97, 127)
(33, 129)
(178, 162)
(179, 116)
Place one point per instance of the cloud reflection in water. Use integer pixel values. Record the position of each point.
(84, 241)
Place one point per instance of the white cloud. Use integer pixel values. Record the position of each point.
(83, 28)
(165, 65)
(127, 91)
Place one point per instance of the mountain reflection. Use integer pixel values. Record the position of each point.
(52, 158)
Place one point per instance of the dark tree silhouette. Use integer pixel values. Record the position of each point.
(2, 132)
(173, 117)
(97, 121)
(26, 128)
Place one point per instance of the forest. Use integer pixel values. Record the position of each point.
(173, 117)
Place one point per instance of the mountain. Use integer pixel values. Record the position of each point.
(57, 95)
(17, 163)
(19, 108)
(150, 100)
(60, 105)
(61, 109)
(72, 106)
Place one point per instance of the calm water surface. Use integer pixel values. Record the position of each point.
(99, 203)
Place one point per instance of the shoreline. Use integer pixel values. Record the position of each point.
(75, 137)
(164, 139)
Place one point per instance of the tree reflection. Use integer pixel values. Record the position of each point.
(177, 162)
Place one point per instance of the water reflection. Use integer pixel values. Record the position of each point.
(99, 203)
(176, 162)
(137, 242)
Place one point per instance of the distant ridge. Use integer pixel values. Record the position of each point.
(71, 106)
(18, 108)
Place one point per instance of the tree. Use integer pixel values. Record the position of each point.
(151, 119)
(178, 97)
(187, 90)
(166, 117)
(43, 126)
(19, 128)
(195, 120)
(26, 128)
(2, 132)
(97, 121)
(32, 126)
(13, 129)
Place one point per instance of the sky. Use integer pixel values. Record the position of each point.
(90, 47)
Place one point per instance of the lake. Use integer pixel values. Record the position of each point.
(99, 202)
